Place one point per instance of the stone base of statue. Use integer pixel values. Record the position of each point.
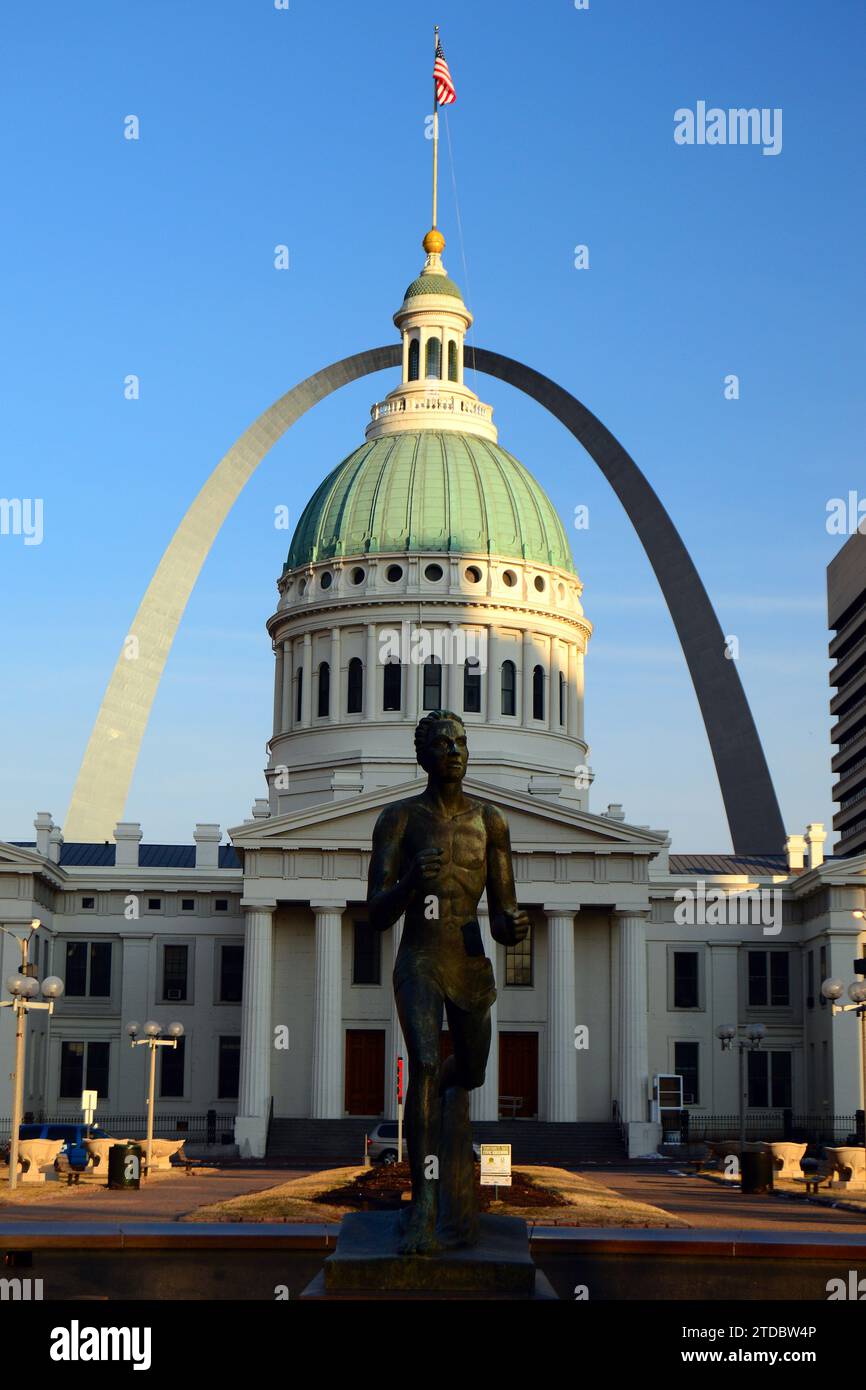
(366, 1264)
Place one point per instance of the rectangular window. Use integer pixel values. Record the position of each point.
(154, 904)
(231, 973)
(71, 1068)
(686, 1067)
(221, 905)
(769, 1079)
(88, 904)
(228, 1079)
(686, 979)
(84, 1066)
(769, 979)
(187, 904)
(518, 962)
(366, 955)
(171, 1072)
(175, 960)
(757, 978)
(88, 969)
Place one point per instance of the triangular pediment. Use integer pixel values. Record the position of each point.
(534, 824)
(18, 856)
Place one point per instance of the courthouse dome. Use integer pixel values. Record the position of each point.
(430, 490)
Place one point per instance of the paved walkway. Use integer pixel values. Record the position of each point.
(708, 1205)
(164, 1199)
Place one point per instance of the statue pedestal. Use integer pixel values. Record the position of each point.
(366, 1265)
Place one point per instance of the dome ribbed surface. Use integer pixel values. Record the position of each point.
(426, 490)
(433, 284)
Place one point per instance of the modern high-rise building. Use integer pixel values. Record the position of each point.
(846, 614)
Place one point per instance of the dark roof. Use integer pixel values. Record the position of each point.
(77, 855)
(756, 865)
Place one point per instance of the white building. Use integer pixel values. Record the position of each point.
(430, 570)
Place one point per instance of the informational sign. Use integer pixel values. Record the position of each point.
(495, 1165)
(88, 1105)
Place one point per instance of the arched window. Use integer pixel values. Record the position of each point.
(563, 691)
(452, 360)
(433, 363)
(324, 705)
(433, 683)
(392, 686)
(355, 692)
(414, 359)
(509, 687)
(538, 693)
(300, 700)
(471, 686)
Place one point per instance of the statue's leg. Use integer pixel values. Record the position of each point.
(462, 1073)
(419, 1006)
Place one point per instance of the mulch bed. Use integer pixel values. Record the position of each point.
(382, 1187)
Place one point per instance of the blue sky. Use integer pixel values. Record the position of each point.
(306, 127)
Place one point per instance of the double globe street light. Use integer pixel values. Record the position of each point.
(755, 1033)
(153, 1040)
(24, 986)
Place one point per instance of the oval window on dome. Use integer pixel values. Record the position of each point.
(539, 583)
(394, 573)
(433, 573)
(473, 574)
(358, 575)
(327, 579)
(509, 578)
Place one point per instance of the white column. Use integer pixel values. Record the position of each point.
(278, 689)
(561, 1054)
(553, 687)
(410, 703)
(396, 1041)
(327, 1097)
(307, 684)
(579, 693)
(633, 1064)
(572, 691)
(452, 674)
(526, 683)
(254, 1097)
(336, 677)
(493, 677)
(484, 1102)
(287, 685)
(370, 674)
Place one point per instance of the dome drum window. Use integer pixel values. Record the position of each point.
(326, 580)
(509, 579)
(392, 687)
(358, 575)
(355, 689)
(471, 686)
(394, 574)
(432, 692)
(434, 573)
(433, 360)
(324, 700)
(414, 359)
(473, 574)
(538, 693)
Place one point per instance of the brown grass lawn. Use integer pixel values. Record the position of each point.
(582, 1201)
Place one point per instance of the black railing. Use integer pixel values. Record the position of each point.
(774, 1124)
(210, 1128)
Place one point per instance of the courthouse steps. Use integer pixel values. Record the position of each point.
(532, 1141)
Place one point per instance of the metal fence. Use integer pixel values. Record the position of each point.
(209, 1128)
(778, 1124)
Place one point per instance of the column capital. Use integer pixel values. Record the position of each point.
(620, 912)
(249, 905)
(328, 905)
(561, 909)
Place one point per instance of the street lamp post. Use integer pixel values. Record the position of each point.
(726, 1034)
(152, 1040)
(833, 990)
(23, 987)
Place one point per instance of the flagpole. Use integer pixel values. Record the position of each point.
(435, 124)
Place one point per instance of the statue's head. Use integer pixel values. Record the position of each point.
(440, 745)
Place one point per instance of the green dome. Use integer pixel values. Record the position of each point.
(433, 284)
(426, 490)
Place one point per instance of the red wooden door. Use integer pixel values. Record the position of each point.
(518, 1073)
(365, 1071)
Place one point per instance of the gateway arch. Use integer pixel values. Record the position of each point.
(101, 788)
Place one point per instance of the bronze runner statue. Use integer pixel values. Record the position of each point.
(433, 856)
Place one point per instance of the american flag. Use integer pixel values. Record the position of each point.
(445, 93)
